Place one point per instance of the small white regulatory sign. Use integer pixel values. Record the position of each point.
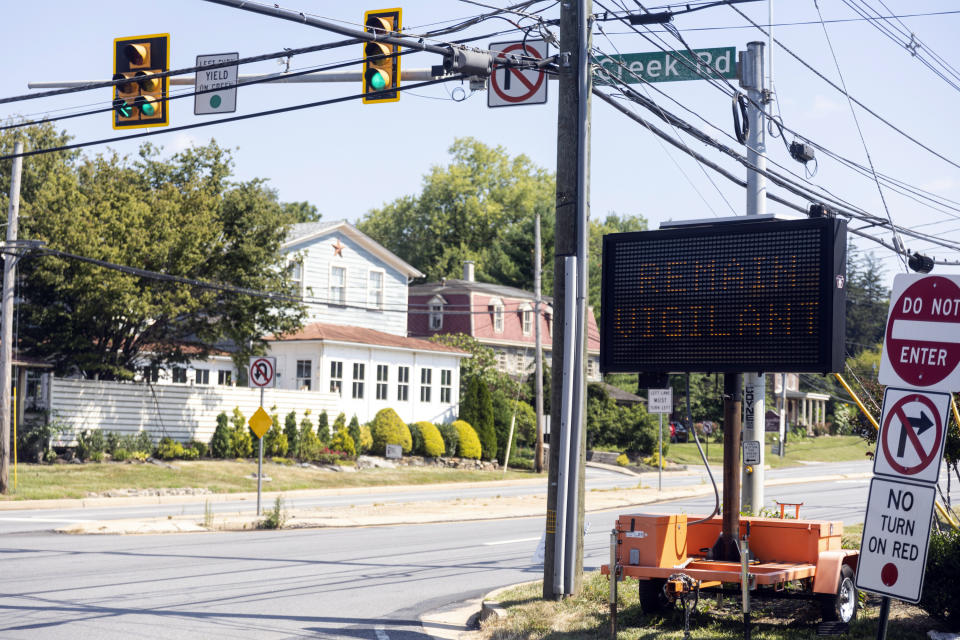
(225, 78)
(751, 452)
(262, 372)
(912, 435)
(896, 532)
(511, 86)
(660, 400)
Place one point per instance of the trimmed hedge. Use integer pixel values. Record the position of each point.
(451, 438)
(469, 445)
(388, 428)
(432, 441)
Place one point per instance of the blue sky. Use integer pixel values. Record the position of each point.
(323, 155)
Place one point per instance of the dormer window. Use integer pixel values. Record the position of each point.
(436, 312)
(496, 308)
(526, 317)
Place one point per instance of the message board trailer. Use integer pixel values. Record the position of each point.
(757, 294)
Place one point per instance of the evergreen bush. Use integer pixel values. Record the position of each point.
(366, 439)
(221, 444)
(943, 565)
(416, 438)
(242, 436)
(169, 449)
(451, 438)
(388, 428)
(275, 440)
(292, 431)
(323, 427)
(354, 430)
(431, 441)
(341, 441)
(469, 444)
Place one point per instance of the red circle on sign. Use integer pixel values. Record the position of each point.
(532, 87)
(926, 457)
(889, 574)
(261, 372)
(919, 358)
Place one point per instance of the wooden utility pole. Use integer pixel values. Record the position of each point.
(6, 320)
(538, 355)
(563, 557)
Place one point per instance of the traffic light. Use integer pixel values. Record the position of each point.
(140, 102)
(381, 62)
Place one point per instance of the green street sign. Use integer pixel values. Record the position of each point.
(668, 66)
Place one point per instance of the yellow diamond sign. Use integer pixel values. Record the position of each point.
(260, 422)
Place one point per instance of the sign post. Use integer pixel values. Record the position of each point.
(261, 373)
(660, 401)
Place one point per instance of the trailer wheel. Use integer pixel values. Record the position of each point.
(652, 597)
(841, 606)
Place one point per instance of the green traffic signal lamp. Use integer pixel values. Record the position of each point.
(123, 108)
(147, 105)
(381, 60)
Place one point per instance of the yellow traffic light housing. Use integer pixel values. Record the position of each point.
(141, 101)
(381, 62)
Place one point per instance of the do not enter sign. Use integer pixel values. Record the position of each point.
(921, 348)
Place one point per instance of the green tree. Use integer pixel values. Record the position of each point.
(613, 223)
(481, 365)
(242, 437)
(867, 301)
(221, 444)
(292, 431)
(323, 427)
(354, 430)
(182, 216)
(479, 207)
(302, 211)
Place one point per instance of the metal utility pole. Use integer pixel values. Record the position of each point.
(563, 560)
(754, 384)
(783, 413)
(538, 355)
(6, 320)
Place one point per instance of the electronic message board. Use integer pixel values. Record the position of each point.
(755, 294)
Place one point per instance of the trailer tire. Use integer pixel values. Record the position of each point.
(652, 598)
(841, 606)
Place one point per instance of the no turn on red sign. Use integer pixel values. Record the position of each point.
(921, 348)
(912, 434)
(510, 86)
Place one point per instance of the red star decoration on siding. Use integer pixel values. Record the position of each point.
(337, 248)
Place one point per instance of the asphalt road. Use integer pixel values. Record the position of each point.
(370, 583)
(24, 520)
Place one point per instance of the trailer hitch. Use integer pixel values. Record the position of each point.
(682, 587)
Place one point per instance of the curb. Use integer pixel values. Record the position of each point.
(490, 606)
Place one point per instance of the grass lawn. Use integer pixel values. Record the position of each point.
(36, 482)
(587, 616)
(821, 449)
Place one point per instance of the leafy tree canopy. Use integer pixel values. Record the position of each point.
(184, 216)
(301, 211)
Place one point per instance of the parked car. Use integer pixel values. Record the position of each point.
(678, 432)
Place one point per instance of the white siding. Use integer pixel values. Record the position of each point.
(318, 257)
(179, 411)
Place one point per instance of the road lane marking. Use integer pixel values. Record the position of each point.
(6, 519)
(496, 542)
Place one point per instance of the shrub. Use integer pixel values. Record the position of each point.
(142, 444)
(340, 422)
(310, 444)
(366, 439)
(623, 460)
(416, 438)
(221, 444)
(199, 447)
(526, 427)
(430, 438)
(323, 427)
(451, 438)
(341, 441)
(189, 453)
(292, 432)
(388, 428)
(90, 445)
(354, 430)
(120, 454)
(943, 564)
(276, 517)
(477, 410)
(275, 440)
(34, 436)
(242, 436)
(169, 449)
(469, 444)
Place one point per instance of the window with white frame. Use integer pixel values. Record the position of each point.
(304, 375)
(403, 383)
(296, 275)
(201, 376)
(225, 377)
(338, 285)
(446, 385)
(336, 377)
(179, 375)
(425, 377)
(591, 368)
(527, 318)
(436, 313)
(496, 308)
(502, 360)
(375, 289)
(382, 375)
(358, 377)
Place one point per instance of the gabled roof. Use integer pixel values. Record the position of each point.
(323, 332)
(306, 232)
(463, 286)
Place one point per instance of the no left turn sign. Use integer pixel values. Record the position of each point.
(921, 347)
(262, 372)
(510, 86)
(912, 435)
